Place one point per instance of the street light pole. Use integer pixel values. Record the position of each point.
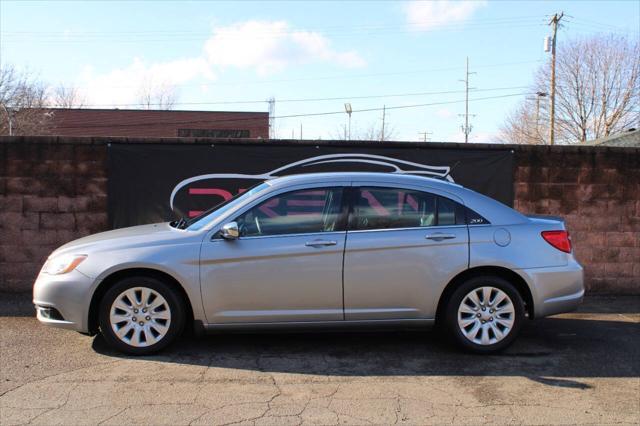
(538, 96)
(349, 110)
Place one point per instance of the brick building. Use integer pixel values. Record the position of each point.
(157, 123)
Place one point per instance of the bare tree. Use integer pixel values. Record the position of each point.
(23, 101)
(524, 125)
(597, 93)
(67, 97)
(373, 132)
(162, 96)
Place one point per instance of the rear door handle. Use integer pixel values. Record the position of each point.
(320, 243)
(439, 236)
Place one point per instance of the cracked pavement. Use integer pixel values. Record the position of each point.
(582, 367)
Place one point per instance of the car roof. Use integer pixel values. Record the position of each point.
(400, 178)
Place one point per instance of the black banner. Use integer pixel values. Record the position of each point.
(159, 182)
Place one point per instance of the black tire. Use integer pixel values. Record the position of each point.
(451, 314)
(176, 312)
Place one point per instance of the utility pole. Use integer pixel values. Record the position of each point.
(272, 117)
(424, 136)
(466, 129)
(552, 118)
(384, 113)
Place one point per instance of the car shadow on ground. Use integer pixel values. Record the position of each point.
(550, 351)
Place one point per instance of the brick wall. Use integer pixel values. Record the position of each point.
(50, 194)
(53, 190)
(597, 191)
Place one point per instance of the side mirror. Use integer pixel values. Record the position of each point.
(229, 231)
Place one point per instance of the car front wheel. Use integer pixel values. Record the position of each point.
(141, 315)
(485, 314)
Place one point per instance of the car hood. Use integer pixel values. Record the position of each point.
(135, 236)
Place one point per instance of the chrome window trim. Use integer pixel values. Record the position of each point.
(410, 186)
(282, 236)
(407, 229)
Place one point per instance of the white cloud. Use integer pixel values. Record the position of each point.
(429, 15)
(445, 113)
(265, 46)
(121, 85)
(271, 46)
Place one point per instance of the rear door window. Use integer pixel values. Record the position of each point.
(393, 208)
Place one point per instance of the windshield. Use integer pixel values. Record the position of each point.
(200, 221)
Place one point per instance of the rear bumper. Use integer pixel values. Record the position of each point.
(555, 290)
(561, 304)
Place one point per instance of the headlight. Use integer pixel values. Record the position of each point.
(63, 264)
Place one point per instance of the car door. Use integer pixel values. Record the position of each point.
(286, 264)
(403, 246)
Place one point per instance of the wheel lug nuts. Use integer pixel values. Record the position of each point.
(141, 323)
(148, 318)
(490, 319)
(134, 319)
(144, 310)
(484, 309)
(483, 321)
(478, 315)
(135, 311)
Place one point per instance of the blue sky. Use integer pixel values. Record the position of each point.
(216, 52)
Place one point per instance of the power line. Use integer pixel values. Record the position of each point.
(337, 98)
(316, 114)
(318, 78)
(233, 33)
(57, 41)
(283, 31)
(602, 25)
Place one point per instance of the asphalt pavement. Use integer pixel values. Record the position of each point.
(582, 367)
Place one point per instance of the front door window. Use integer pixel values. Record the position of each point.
(305, 211)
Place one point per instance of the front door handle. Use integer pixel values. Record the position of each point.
(439, 236)
(320, 243)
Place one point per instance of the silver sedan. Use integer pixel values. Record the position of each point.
(319, 250)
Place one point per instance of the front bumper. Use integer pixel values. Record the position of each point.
(63, 300)
(555, 290)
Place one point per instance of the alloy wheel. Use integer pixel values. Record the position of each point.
(140, 316)
(486, 315)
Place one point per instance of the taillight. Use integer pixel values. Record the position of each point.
(558, 239)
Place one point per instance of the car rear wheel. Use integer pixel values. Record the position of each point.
(484, 314)
(141, 315)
